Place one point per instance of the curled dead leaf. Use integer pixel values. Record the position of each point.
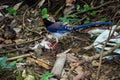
(80, 73)
(95, 63)
(78, 69)
(72, 58)
(73, 64)
(69, 2)
(1, 39)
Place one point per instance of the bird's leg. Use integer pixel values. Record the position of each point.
(54, 45)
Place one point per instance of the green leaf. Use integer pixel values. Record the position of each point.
(72, 15)
(3, 64)
(19, 59)
(82, 10)
(64, 19)
(78, 7)
(94, 13)
(86, 7)
(46, 76)
(44, 13)
(11, 65)
(2, 51)
(11, 54)
(103, 19)
(3, 60)
(87, 20)
(11, 11)
(45, 16)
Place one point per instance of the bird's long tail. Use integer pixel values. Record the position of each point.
(90, 25)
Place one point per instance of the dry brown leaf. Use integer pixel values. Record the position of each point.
(68, 10)
(16, 7)
(17, 41)
(75, 50)
(8, 41)
(72, 58)
(108, 70)
(1, 39)
(78, 69)
(40, 63)
(80, 75)
(95, 63)
(73, 64)
(69, 2)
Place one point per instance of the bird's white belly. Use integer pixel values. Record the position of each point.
(59, 35)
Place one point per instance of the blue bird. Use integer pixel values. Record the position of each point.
(59, 30)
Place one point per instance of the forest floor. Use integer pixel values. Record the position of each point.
(20, 31)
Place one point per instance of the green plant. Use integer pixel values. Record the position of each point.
(93, 13)
(18, 73)
(84, 9)
(78, 7)
(46, 76)
(87, 20)
(44, 13)
(11, 10)
(64, 19)
(70, 19)
(103, 19)
(4, 65)
(19, 59)
(2, 51)
(73, 19)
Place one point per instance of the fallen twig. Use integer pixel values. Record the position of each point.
(13, 50)
(40, 63)
(2, 46)
(41, 3)
(59, 64)
(21, 56)
(104, 54)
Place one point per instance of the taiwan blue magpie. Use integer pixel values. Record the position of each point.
(59, 30)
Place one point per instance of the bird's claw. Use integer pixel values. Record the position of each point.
(52, 46)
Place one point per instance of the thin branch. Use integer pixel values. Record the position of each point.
(102, 5)
(2, 46)
(21, 56)
(102, 51)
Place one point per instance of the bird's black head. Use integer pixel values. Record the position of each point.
(46, 22)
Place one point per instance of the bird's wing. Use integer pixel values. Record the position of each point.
(57, 27)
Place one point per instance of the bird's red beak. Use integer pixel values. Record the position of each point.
(41, 20)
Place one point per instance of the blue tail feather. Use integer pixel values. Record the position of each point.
(90, 25)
